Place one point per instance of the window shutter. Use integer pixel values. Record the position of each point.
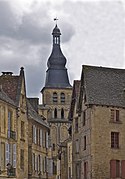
(112, 114)
(113, 168)
(44, 136)
(46, 139)
(123, 168)
(47, 162)
(50, 167)
(41, 137)
(32, 161)
(117, 115)
(35, 162)
(33, 137)
(35, 134)
(41, 166)
(0, 154)
(9, 123)
(44, 165)
(14, 155)
(7, 153)
(77, 146)
(38, 163)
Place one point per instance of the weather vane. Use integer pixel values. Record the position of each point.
(56, 19)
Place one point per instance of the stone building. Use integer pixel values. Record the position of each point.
(98, 128)
(38, 131)
(56, 98)
(23, 132)
(14, 126)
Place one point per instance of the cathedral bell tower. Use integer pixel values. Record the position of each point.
(56, 98)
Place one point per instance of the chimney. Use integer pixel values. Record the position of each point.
(7, 73)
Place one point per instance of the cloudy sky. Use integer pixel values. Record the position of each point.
(92, 33)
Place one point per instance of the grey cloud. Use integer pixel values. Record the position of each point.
(33, 27)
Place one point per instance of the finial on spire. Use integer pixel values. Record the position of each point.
(56, 19)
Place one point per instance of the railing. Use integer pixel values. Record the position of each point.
(11, 134)
(11, 172)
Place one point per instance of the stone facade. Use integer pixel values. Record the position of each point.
(23, 132)
(98, 130)
(59, 124)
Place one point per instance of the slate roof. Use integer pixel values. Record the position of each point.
(104, 86)
(56, 74)
(34, 115)
(4, 97)
(11, 85)
(75, 95)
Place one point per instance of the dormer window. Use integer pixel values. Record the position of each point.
(55, 97)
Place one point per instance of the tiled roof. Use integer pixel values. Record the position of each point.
(34, 115)
(4, 97)
(104, 86)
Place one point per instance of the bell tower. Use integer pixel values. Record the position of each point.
(56, 96)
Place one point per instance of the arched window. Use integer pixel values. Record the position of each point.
(55, 97)
(62, 98)
(55, 113)
(62, 113)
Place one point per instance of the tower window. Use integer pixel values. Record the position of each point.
(62, 113)
(62, 98)
(55, 113)
(55, 97)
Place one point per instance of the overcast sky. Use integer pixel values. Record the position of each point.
(92, 33)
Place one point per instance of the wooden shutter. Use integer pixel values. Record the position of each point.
(35, 162)
(41, 164)
(14, 155)
(35, 135)
(46, 139)
(41, 137)
(112, 115)
(113, 168)
(117, 115)
(123, 168)
(50, 167)
(7, 153)
(0, 154)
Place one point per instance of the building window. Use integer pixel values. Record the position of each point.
(34, 134)
(117, 169)
(85, 169)
(55, 97)
(9, 123)
(114, 139)
(84, 117)
(53, 147)
(3, 155)
(62, 98)
(84, 142)
(22, 129)
(54, 168)
(114, 168)
(55, 113)
(76, 125)
(77, 146)
(62, 113)
(115, 115)
(22, 159)
(3, 120)
(77, 171)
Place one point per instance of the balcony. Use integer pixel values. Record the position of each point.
(11, 172)
(11, 134)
